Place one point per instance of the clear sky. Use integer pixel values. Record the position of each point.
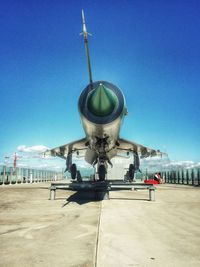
(150, 49)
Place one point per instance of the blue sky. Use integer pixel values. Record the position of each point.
(150, 49)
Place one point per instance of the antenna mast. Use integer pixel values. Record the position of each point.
(85, 35)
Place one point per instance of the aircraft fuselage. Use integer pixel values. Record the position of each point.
(102, 108)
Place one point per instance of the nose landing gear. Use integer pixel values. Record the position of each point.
(102, 172)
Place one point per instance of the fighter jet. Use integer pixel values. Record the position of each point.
(102, 108)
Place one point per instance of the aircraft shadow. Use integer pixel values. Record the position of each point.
(80, 198)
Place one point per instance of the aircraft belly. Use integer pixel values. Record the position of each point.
(111, 130)
(101, 131)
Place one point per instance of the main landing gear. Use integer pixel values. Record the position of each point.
(75, 174)
(73, 171)
(131, 171)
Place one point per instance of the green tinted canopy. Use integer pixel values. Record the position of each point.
(102, 101)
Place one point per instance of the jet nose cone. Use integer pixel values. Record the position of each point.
(102, 101)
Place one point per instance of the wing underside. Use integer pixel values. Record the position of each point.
(67, 149)
(142, 151)
(124, 146)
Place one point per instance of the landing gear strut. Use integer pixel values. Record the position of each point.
(102, 172)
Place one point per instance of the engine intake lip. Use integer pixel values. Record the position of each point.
(83, 103)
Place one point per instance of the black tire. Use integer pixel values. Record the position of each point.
(79, 178)
(131, 172)
(73, 171)
(102, 172)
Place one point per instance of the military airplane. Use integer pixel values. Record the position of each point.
(102, 108)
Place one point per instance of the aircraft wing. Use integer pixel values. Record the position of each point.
(142, 151)
(64, 150)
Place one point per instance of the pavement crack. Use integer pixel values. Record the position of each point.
(97, 237)
(13, 230)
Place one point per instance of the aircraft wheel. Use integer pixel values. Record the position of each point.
(73, 171)
(131, 172)
(79, 178)
(102, 172)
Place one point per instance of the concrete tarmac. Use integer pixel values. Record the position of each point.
(127, 230)
(35, 231)
(136, 232)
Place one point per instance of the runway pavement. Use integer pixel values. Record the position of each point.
(127, 230)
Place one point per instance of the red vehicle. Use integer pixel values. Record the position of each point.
(151, 181)
(156, 179)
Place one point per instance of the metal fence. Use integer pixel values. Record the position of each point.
(12, 175)
(182, 176)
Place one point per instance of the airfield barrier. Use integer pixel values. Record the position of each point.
(10, 175)
(182, 176)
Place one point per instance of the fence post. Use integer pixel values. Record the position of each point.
(198, 176)
(165, 175)
(187, 176)
(10, 175)
(31, 176)
(178, 176)
(192, 176)
(182, 173)
(173, 177)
